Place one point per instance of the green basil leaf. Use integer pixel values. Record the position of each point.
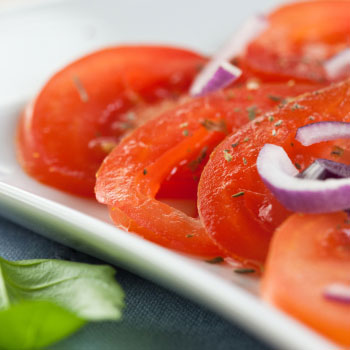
(88, 291)
(35, 324)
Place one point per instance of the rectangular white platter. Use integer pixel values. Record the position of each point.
(40, 37)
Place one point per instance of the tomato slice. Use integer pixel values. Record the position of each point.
(299, 39)
(238, 211)
(247, 103)
(308, 254)
(84, 110)
(130, 177)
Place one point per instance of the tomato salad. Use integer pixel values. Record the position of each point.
(254, 143)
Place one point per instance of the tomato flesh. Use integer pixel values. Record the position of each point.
(308, 253)
(244, 224)
(182, 181)
(299, 39)
(132, 175)
(87, 107)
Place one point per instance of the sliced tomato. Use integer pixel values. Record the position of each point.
(238, 211)
(181, 139)
(84, 110)
(300, 37)
(308, 254)
(247, 104)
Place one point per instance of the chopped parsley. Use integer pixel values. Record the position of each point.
(227, 155)
(193, 165)
(279, 123)
(251, 112)
(244, 270)
(238, 194)
(211, 125)
(337, 151)
(216, 260)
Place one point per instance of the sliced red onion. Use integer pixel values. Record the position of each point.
(335, 66)
(234, 47)
(225, 74)
(337, 292)
(296, 194)
(322, 169)
(322, 131)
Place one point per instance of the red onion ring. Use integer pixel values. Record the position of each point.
(296, 194)
(335, 66)
(337, 292)
(225, 74)
(231, 49)
(322, 131)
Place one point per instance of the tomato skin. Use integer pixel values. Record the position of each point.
(300, 37)
(244, 224)
(308, 253)
(131, 176)
(66, 132)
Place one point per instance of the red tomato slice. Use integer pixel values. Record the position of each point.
(236, 208)
(308, 253)
(299, 39)
(130, 177)
(182, 181)
(84, 110)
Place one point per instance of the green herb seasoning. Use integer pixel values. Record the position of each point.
(227, 155)
(234, 145)
(297, 106)
(271, 118)
(230, 95)
(194, 164)
(251, 112)
(246, 139)
(244, 161)
(216, 260)
(273, 132)
(275, 98)
(185, 132)
(337, 151)
(279, 123)
(244, 270)
(238, 194)
(144, 172)
(189, 236)
(297, 165)
(211, 125)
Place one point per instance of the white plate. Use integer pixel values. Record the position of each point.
(37, 40)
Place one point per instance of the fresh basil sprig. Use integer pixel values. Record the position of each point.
(42, 301)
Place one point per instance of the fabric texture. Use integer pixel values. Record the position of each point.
(154, 318)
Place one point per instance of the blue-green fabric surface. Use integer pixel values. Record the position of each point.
(154, 318)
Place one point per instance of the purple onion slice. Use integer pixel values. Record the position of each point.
(297, 194)
(225, 74)
(231, 49)
(322, 131)
(337, 292)
(337, 65)
(322, 169)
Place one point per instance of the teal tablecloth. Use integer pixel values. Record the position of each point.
(154, 318)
